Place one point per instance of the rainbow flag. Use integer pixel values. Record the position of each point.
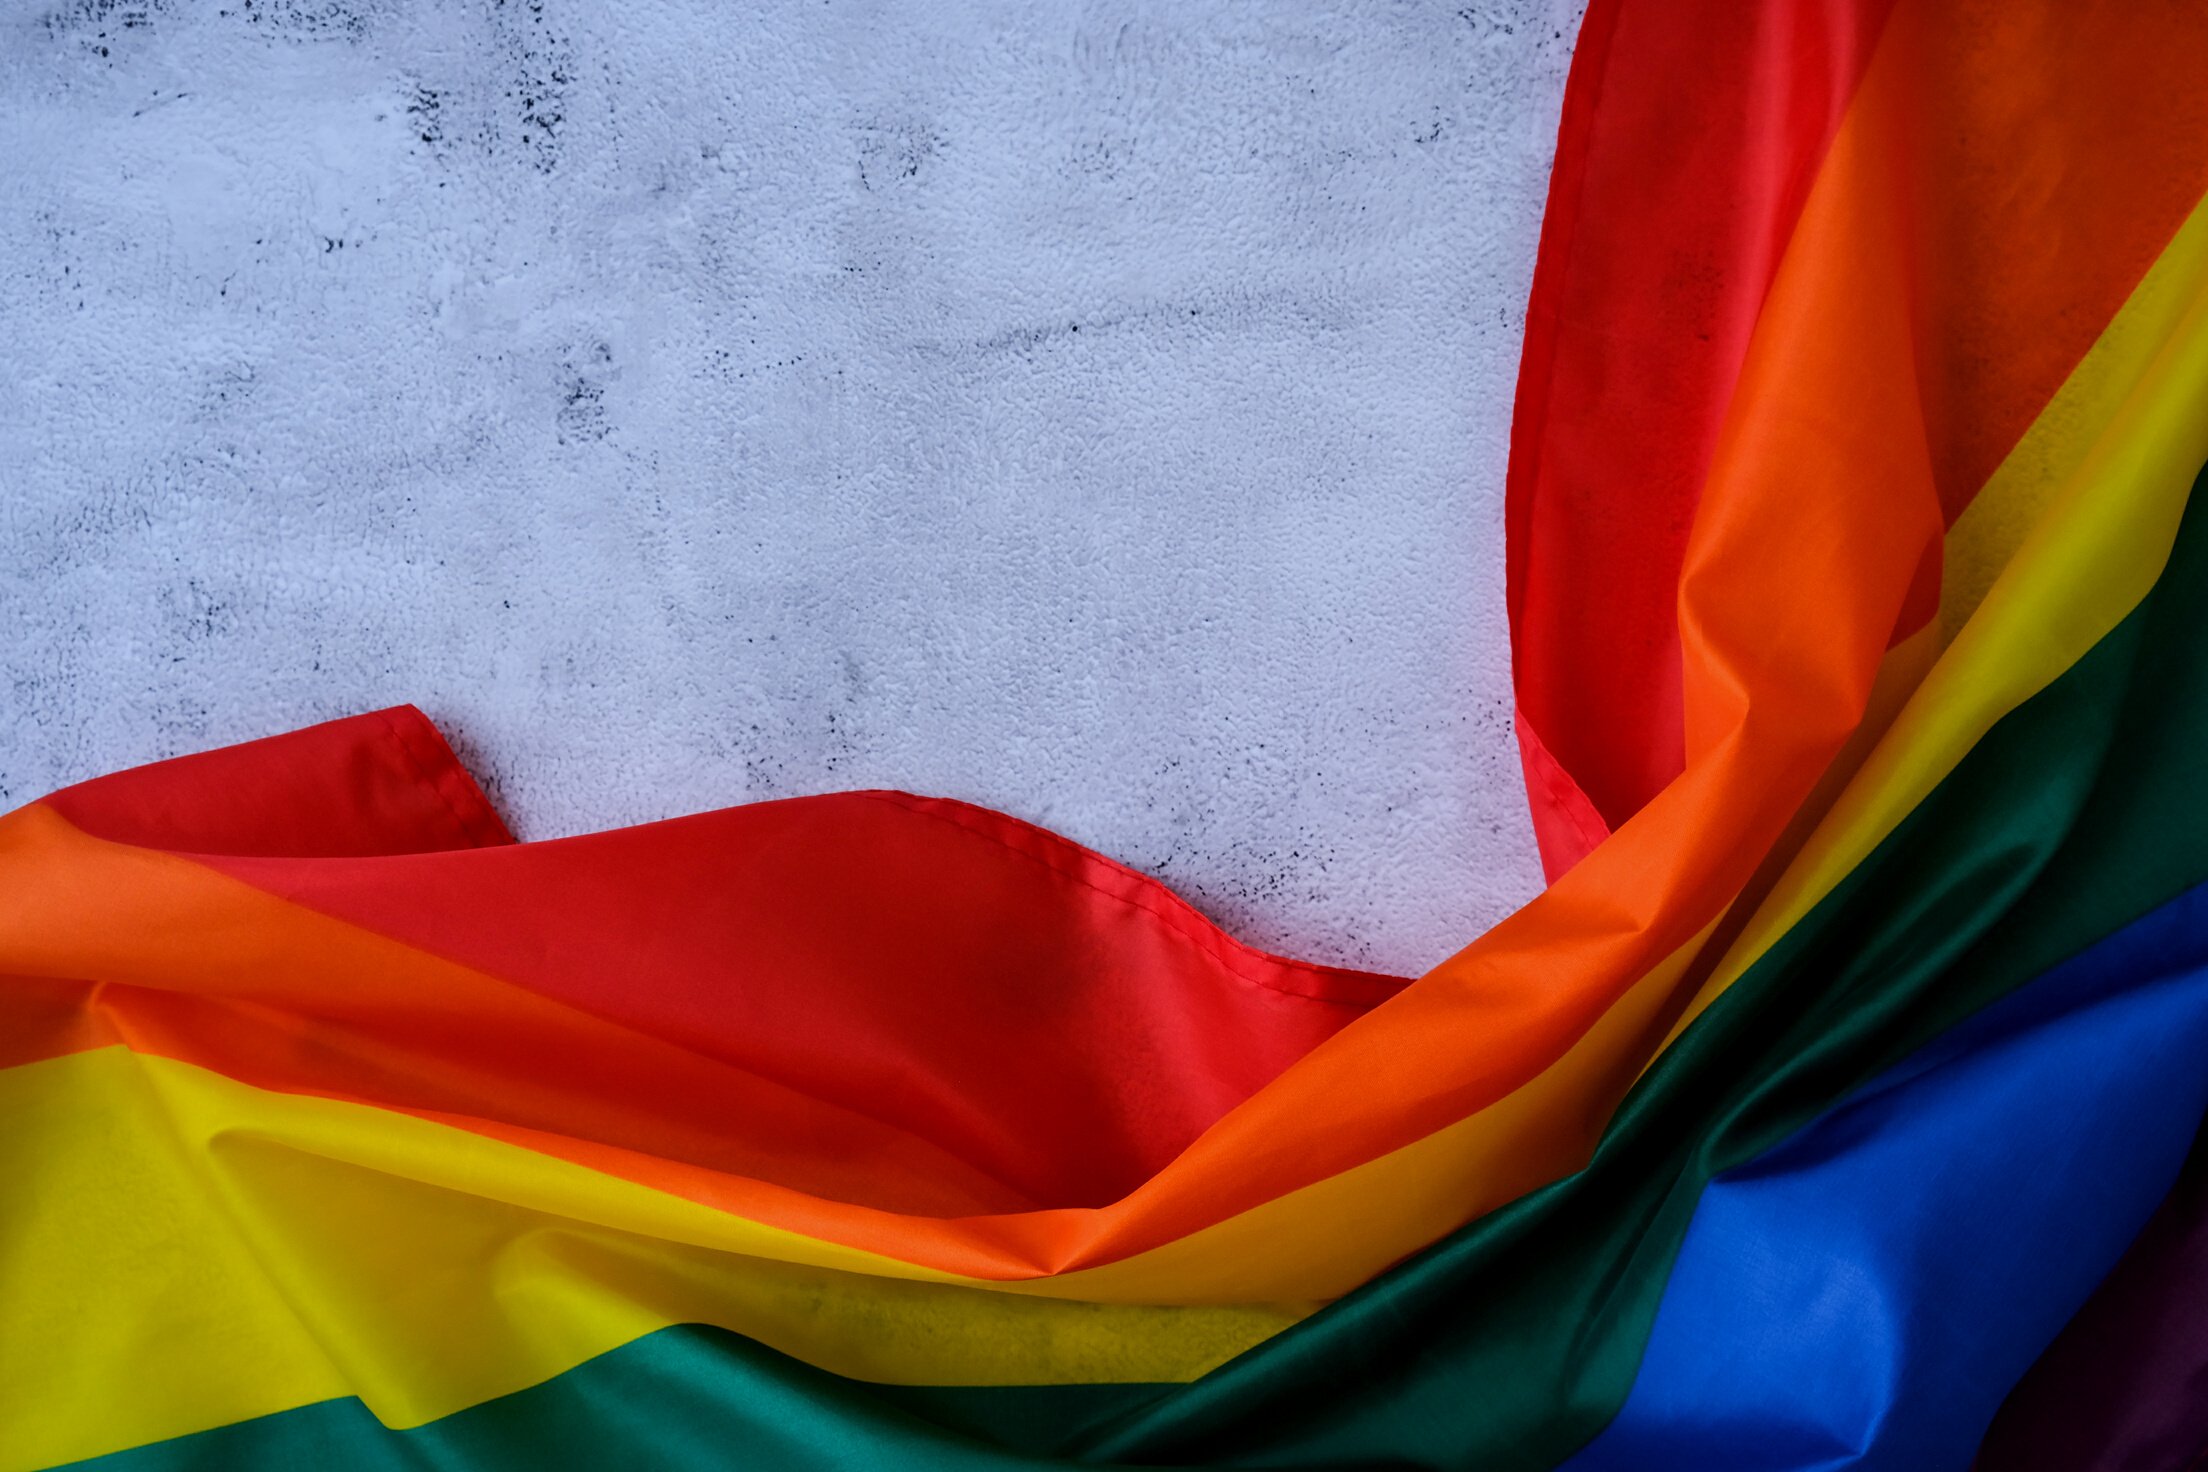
(1835, 1106)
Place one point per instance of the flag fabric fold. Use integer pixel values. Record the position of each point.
(1835, 1106)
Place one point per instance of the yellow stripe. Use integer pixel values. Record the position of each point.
(2065, 540)
(201, 1251)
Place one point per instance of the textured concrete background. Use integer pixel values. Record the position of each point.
(1096, 411)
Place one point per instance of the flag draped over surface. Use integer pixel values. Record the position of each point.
(1835, 1105)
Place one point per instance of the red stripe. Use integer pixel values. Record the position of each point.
(1690, 136)
(1060, 1023)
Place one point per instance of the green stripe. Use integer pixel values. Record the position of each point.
(1512, 1342)
(683, 1397)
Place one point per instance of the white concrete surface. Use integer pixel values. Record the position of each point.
(1093, 410)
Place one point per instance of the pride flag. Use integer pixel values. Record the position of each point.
(1835, 1106)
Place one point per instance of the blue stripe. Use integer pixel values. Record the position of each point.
(1864, 1294)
